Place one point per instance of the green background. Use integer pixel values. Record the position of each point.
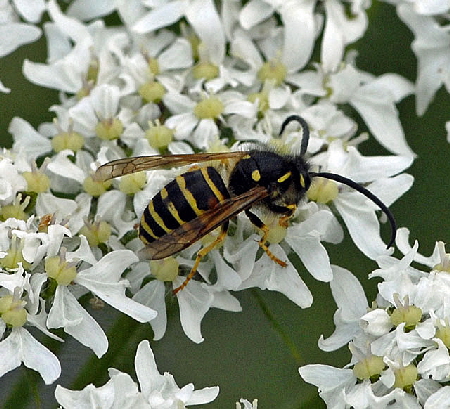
(242, 353)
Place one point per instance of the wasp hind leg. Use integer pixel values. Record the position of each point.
(263, 241)
(202, 253)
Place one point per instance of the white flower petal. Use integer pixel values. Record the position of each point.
(105, 101)
(146, 370)
(10, 356)
(287, 281)
(254, 12)
(226, 276)
(203, 396)
(67, 313)
(390, 189)
(352, 304)
(333, 42)
(242, 47)
(103, 279)
(304, 239)
(348, 294)
(225, 301)
(298, 44)
(438, 399)
(431, 48)
(177, 55)
(363, 169)
(376, 322)
(66, 74)
(27, 141)
(4, 89)
(88, 396)
(326, 378)
(48, 204)
(161, 16)
(341, 336)
(84, 252)
(73, 28)
(38, 357)
(205, 133)
(314, 256)
(362, 224)
(204, 19)
(31, 10)
(153, 296)
(194, 302)
(89, 10)
(14, 35)
(375, 104)
(61, 165)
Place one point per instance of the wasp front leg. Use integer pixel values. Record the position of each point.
(263, 241)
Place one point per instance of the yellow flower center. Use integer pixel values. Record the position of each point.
(274, 71)
(323, 190)
(209, 108)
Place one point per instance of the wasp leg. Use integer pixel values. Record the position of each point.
(202, 253)
(284, 220)
(263, 241)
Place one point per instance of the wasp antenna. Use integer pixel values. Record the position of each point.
(305, 130)
(365, 192)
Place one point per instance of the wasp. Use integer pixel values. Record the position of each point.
(201, 200)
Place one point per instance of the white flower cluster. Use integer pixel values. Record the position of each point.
(184, 76)
(400, 344)
(155, 391)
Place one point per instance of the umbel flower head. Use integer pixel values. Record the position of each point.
(184, 77)
(400, 344)
(153, 390)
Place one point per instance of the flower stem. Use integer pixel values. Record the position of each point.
(278, 327)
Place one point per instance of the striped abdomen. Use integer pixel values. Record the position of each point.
(180, 201)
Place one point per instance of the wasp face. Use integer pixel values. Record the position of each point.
(285, 177)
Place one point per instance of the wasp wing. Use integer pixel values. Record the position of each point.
(188, 233)
(126, 166)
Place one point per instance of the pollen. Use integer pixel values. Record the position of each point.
(109, 129)
(95, 188)
(159, 136)
(262, 98)
(165, 269)
(37, 181)
(205, 70)
(14, 255)
(370, 367)
(153, 66)
(277, 233)
(67, 140)
(322, 190)
(444, 265)
(152, 91)
(405, 377)
(12, 311)
(274, 71)
(443, 333)
(132, 183)
(96, 233)
(209, 108)
(16, 209)
(60, 270)
(410, 315)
